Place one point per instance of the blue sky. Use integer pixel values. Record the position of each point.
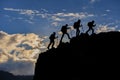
(24, 25)
(43, 16)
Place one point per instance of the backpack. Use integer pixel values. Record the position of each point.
(51, 37)
(63, 28)
(75, 25)
(89, 24)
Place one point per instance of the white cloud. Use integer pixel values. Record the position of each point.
(70, 16)
(21, 49)
(29, 21)
(62, 17)
(44, 10)
(30, 13)
(105, 28)
(43, 15)
(93, 1)
(53, 18)
(107, 10)
(22, 11)
(55, 23)
(57, 16)
(27, 12)
(104, 15)
(19, 44)
(12, 9)
(79, 15)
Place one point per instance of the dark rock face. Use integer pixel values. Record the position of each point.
(77, 59)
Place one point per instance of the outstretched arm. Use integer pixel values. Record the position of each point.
(94, 25)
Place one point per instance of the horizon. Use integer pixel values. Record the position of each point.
(25, 25)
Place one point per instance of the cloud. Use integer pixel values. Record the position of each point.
(105, 28)
(74, 15)
(20, 45)
(43, 15)
(107, 10)
(55, 19)
(11, 9)
(62, 17)
(104, 15)
(55, 24)
(29, 21)
(23, 11)
(28, 12)
(93, 1)
(19, 50)
(44, 10)
(18, 67)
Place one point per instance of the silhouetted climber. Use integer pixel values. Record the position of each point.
(64, 31)
(91, 25)
(76, 26)
(52, 39)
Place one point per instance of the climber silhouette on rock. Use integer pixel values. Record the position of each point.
(76, 26)
(64, 31)
(91, 25)
(52, 40)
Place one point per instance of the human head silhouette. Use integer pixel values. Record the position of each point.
(93, 21)
(79, 20)
(54, 33)
(66, 25)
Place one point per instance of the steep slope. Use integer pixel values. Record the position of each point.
(78, 59)
(9, 76)
(6, 76)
